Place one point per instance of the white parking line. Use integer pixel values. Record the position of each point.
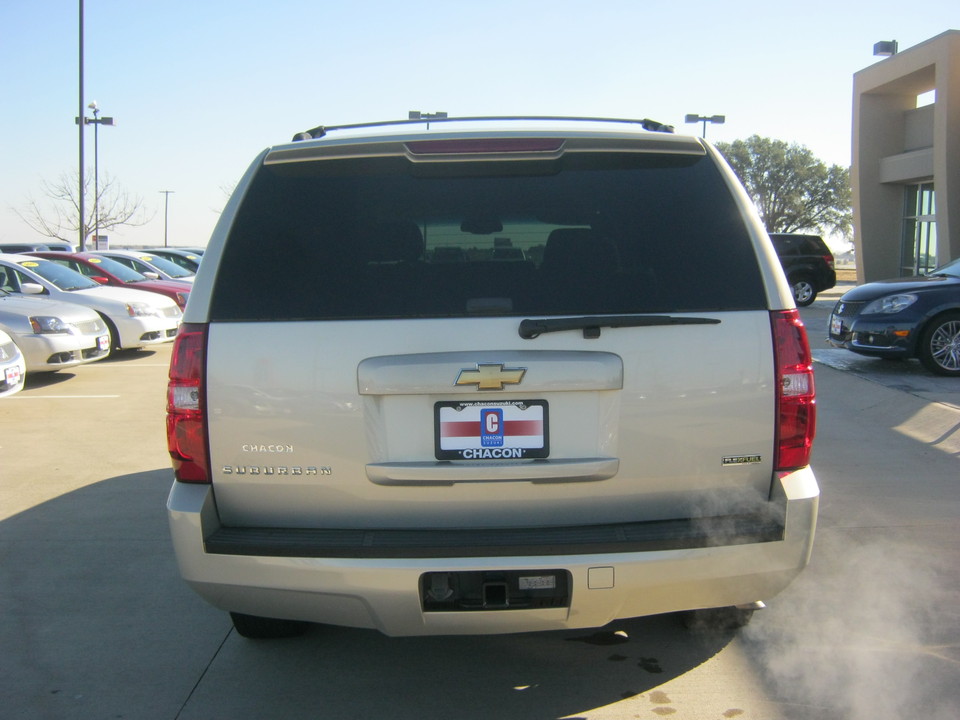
(21, 396)
(118, 365)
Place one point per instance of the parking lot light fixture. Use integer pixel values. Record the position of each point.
(96, 121)
(885, 48)
(713, 119)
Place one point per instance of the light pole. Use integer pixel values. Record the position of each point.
(96, 121)
(166, 201)
(81, 228)
(714, 119)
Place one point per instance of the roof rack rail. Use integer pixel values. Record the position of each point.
(321, 130)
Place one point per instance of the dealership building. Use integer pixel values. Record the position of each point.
(906, 159)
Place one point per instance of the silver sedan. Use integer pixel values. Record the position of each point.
(53, 335)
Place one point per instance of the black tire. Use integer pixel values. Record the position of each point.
(939, 348)
(255, 627)
(714, 620)
(114, 334)
(804, 293)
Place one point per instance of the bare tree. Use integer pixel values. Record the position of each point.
(227, 189)
(60, 217)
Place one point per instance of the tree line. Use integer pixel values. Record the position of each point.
(792, 190)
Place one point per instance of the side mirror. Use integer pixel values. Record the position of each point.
(152, 275)
(100, 279)
(29, 288)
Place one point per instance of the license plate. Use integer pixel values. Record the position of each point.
(498, 430)
(12, 375)
(537, 582)
(103, 342)
(836, 325)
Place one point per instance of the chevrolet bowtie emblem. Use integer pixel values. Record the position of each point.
(490, 376)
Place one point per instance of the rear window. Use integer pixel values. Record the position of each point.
(799, 245)
(385, 238)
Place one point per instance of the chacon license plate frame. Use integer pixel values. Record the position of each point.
(491, 430)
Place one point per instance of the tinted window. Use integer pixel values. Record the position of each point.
(63, 277)
(386, 238)
(791, 245)
(12, 248)
(120, 271)
(164, 265)
(812, 245)
(93, 267)
(188, 263)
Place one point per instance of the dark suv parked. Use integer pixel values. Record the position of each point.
(808, 263)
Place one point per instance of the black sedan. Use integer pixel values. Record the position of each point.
(917, 317)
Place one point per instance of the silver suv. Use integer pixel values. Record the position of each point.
(489, 376)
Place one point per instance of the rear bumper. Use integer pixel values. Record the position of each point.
(384, 592)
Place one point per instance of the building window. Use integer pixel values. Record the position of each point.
(919, 248)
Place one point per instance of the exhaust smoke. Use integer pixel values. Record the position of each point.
(859, 635)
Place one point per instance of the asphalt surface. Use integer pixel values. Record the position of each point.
(95, 622)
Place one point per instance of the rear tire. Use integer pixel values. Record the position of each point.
(939, 348)
(255, 627)
(804, 293)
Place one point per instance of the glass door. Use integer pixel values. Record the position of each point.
(919, 245)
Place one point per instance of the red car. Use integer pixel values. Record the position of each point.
(109, 272)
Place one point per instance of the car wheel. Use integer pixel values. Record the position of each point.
(804, 293)
(114, 334)
(940, 345)
(264, 628)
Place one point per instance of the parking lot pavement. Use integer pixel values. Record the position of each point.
(79, 426)
(95, 621)
(906, 375)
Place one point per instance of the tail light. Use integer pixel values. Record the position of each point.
(828, 259)
(796, 395)
(186, 407)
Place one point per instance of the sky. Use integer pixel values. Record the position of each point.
(198, 88)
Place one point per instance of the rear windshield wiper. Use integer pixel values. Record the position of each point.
(591, 325)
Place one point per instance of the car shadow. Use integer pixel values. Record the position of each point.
(46, 379)
(51, 379)
(94, 605)
(120, 356)
(344, 672)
